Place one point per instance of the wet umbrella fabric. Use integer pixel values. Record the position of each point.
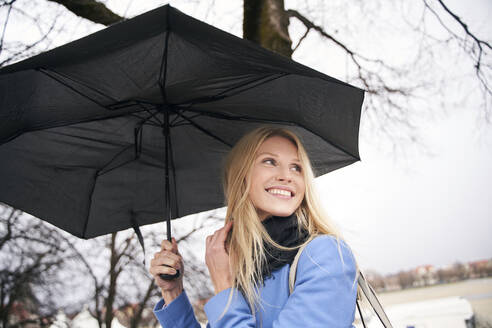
(88, 130)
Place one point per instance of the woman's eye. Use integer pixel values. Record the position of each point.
(269, 161)
(297, 168)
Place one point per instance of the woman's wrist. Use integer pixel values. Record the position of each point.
(222, 285)
(170, 295)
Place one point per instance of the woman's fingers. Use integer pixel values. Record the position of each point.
(219, 237)
(172, 246)
(161, 269)
(215, 244)
(167, 261)
(217, 259)
(167, 258)
(166, 253)
(222, 236)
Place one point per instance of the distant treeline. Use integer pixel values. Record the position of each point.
(427, 275)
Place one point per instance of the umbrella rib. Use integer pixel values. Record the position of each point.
(131, 102)
(137, 144)
(116, 105)
(101, 170)
(89, 207)
(260, 120)
(152, 116)
(49, 73)
(221, 95)
(199, 127)
(238, 118)
(178, 121)
(271, 78)
(180, 124)
(163, 73)
(151, 123)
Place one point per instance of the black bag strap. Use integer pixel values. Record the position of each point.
(371, 296)
(360, 314)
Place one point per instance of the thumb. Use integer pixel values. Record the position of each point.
(175, 246)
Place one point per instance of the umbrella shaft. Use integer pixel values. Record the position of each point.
(167, 204)
(167, 201)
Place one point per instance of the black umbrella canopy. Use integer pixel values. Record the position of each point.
(83, 126)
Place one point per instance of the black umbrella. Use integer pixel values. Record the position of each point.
(113, 130)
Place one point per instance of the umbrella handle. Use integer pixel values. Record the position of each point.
(170, 276)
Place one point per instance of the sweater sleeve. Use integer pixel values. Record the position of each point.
(238, 313)
(324, 293)
(177, 314)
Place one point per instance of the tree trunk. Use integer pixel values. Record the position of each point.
(266, 23)
(113, 276)
(135, 320)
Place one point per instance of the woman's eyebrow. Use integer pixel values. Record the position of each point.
(275, 155)
(267, 153)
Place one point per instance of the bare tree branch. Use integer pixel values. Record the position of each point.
(465, 27)
(24, 50)
(301, 39)
(92, 10)
(31, 257)
(480, 44)
(372, 80)
(9, 4)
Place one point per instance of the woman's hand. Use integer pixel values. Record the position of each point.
(169, 256)
(217, 259)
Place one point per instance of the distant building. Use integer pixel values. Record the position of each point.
(19, 313)
(425, 275)
(480, 269)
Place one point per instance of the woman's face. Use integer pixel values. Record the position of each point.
(277, 181)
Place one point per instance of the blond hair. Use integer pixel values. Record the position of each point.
(245, 245)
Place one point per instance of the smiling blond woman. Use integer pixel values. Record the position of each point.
(272, 210)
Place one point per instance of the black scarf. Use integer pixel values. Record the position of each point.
(284, 231)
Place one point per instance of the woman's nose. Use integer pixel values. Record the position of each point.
(284, 174)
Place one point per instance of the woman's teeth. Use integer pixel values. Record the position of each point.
(280, 192)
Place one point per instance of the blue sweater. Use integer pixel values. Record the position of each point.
(324, 295)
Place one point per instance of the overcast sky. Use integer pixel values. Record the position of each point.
(430, 206)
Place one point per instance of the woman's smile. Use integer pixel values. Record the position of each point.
(280, 192)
